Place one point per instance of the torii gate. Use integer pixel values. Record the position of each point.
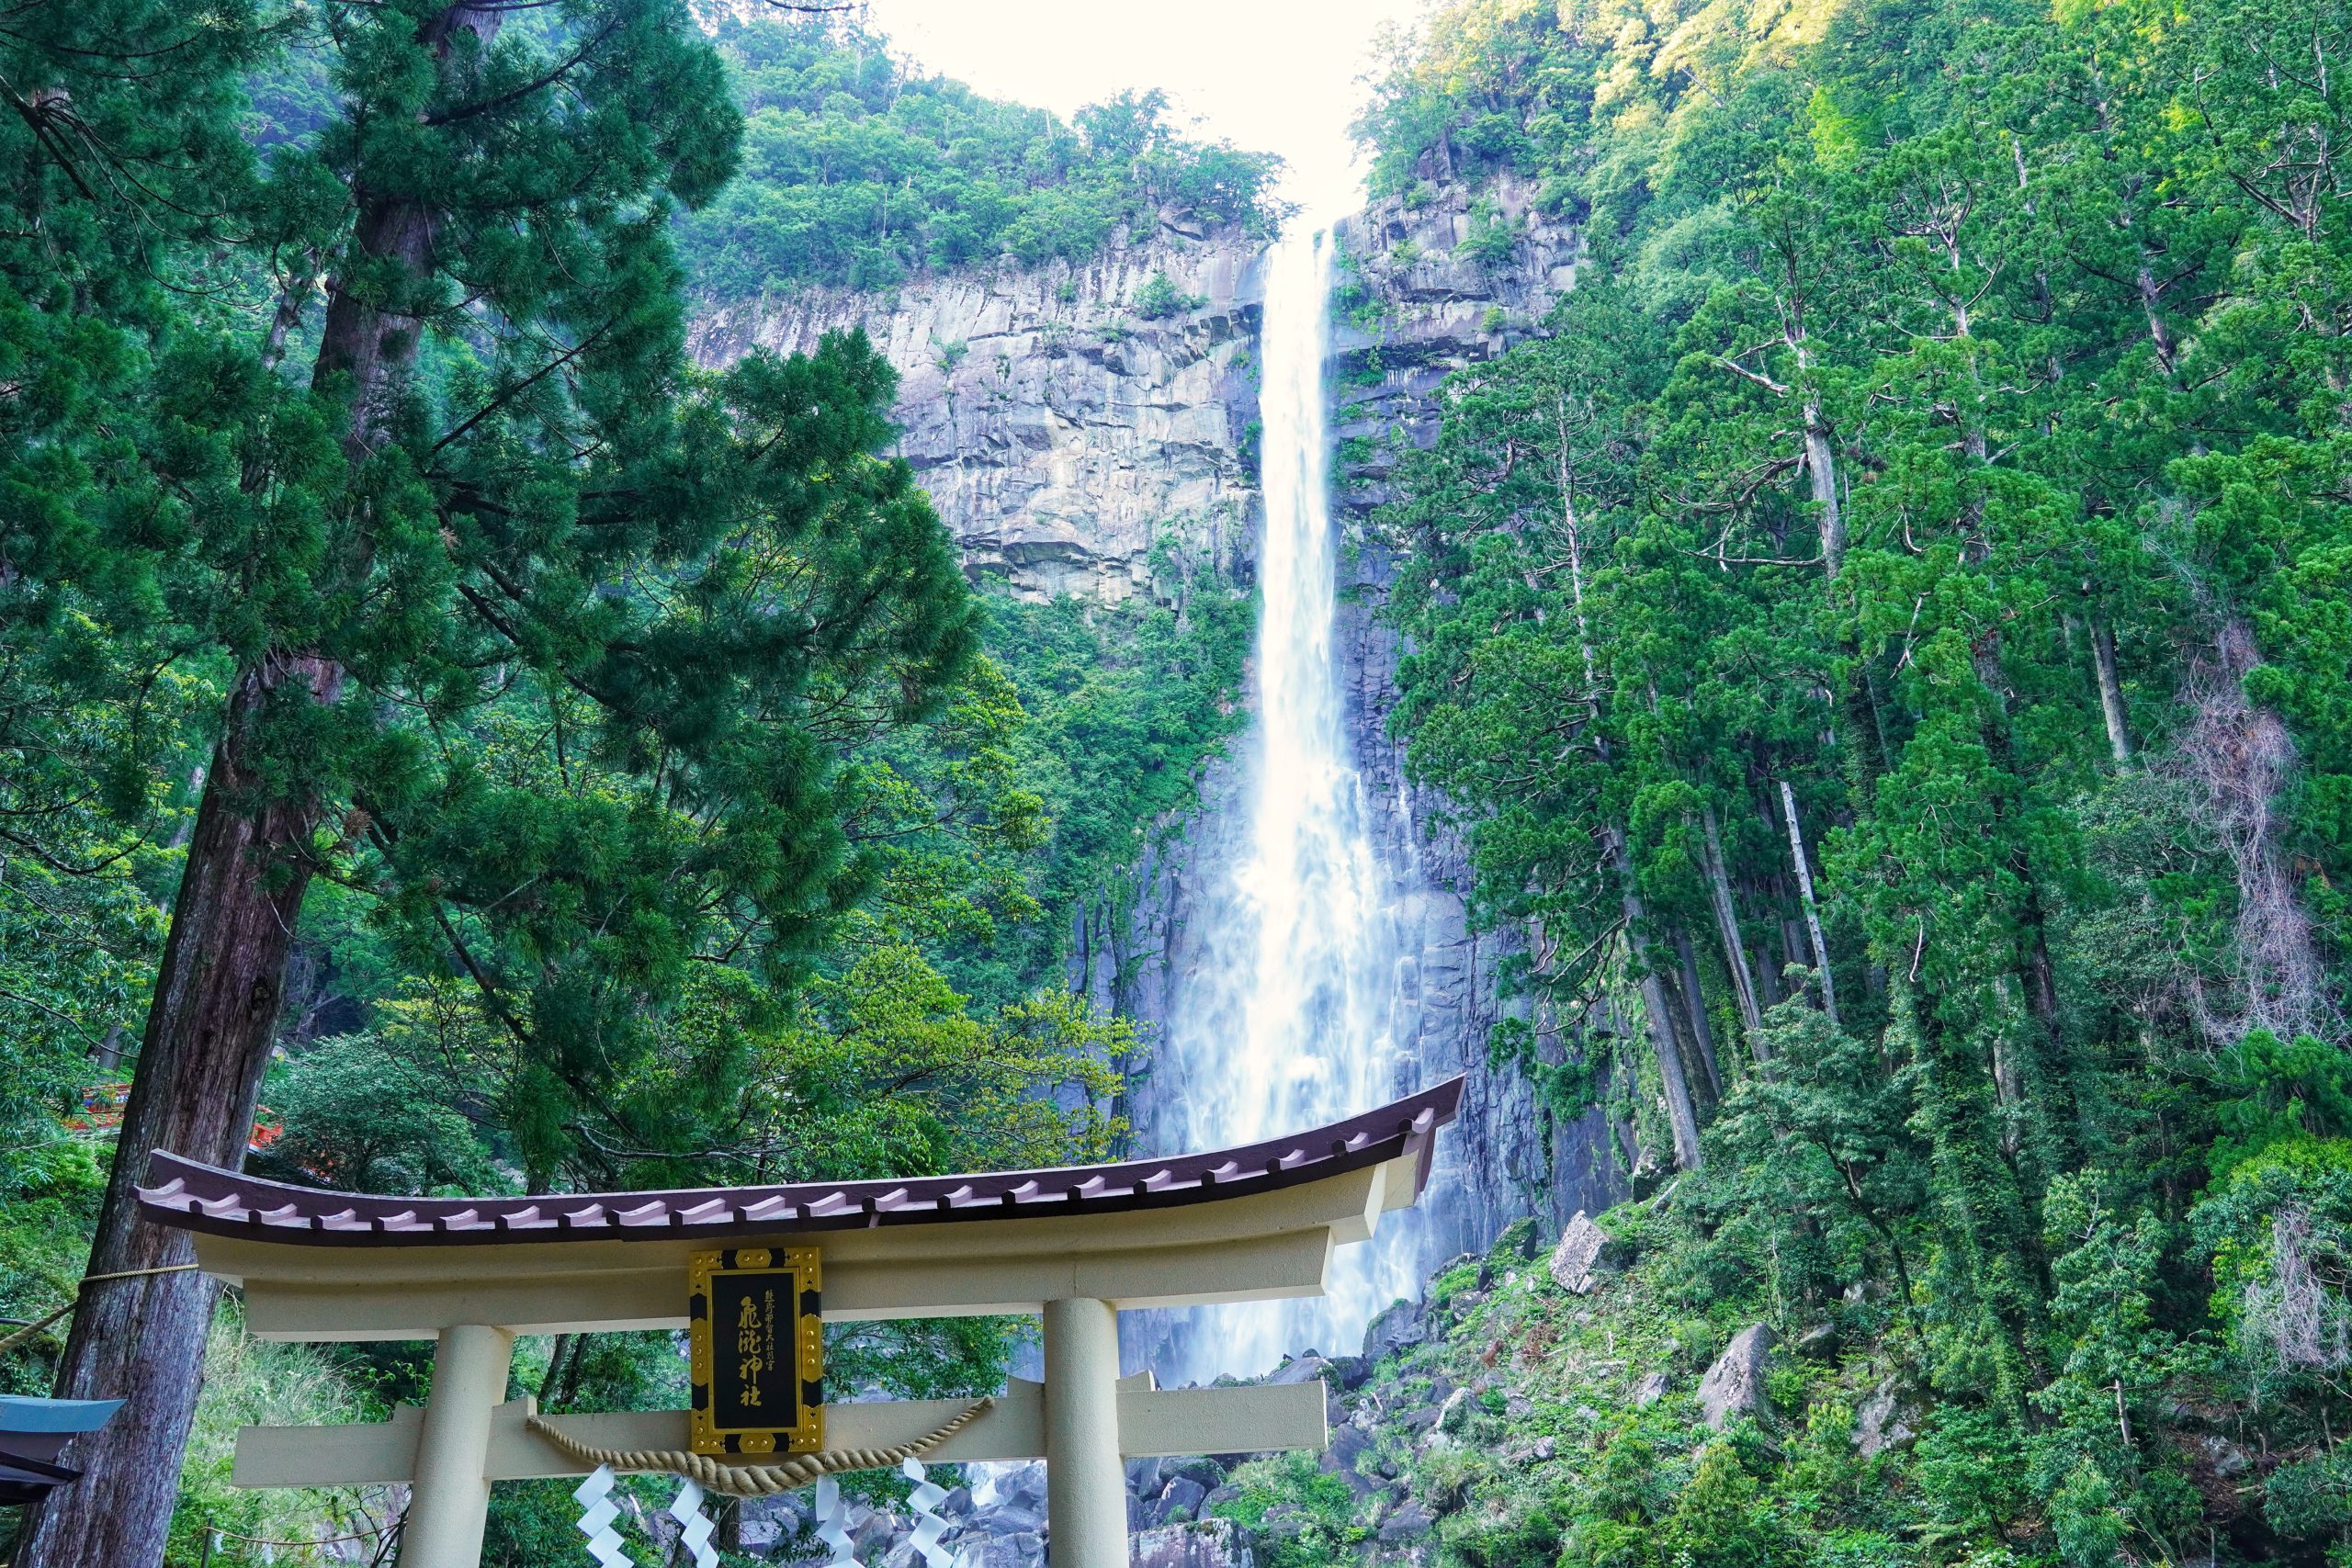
(1077, 1245)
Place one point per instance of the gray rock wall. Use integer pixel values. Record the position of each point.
(1060, 432)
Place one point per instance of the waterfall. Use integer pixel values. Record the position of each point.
(1289, 1019)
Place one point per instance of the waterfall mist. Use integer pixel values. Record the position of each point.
(1290, 1020)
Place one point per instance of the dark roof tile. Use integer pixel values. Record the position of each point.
(186, 1195)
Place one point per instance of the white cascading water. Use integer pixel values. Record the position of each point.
(1289, 1021)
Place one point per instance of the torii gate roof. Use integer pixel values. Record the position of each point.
(188, 1195)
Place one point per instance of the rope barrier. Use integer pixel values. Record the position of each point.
(752, 1480)
(329, 1540)
(34, 1327)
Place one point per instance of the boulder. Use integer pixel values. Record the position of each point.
(2228, 1460)
(1285, 1520)
(1183, 1493)
(1009, 1551)
(1650, 1390)
(1353, 1372)
(1023, 1483)
(1818, 1342)
(1404, 1324)
(1197, 1467)
(1299, 1369)
(1734, 1385)
(1349, 1445)
(1207, 1543)
(872, 1538)
(758, 1536)
(1018, 1517)
(1409, 1522)
(1519, 1238)
(1585, 1253)
(1879, 1424)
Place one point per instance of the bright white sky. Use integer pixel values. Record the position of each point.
(1276, 75)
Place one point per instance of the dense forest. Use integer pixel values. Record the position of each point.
(1887, 636)
(447, 739)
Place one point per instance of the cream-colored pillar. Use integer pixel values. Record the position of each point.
(1086, 1482)
(449, 1503)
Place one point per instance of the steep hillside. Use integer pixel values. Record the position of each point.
(1880, 634)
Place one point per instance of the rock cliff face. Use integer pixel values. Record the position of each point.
(1431, 286)
(1062, 431)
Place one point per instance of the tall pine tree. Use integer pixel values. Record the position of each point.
(503, 504)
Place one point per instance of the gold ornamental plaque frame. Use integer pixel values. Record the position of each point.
(756, 1350)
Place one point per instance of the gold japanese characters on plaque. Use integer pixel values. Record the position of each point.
(756, 1348)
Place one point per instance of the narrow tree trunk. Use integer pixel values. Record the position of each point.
(1658, 1015)
(206, 1043)
(1694, 1008)
(2110, 693)
(368, 340)
(1812, 912)
(1680, 1109)
(2008, 1085)
(1821, 468)
(1743, 983)
(291, 302)
(564, 1344)
(2041, 991)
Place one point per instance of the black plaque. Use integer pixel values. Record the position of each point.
(757, 1351)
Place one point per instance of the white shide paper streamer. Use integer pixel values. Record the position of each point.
(595, 1494)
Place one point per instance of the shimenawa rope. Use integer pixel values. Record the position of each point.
(753, 1480)
(29, 1330)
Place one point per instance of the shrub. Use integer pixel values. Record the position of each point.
(1160, 298)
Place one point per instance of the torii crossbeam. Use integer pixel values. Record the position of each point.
(1077, 1245)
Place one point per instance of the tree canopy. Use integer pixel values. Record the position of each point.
(862, 170)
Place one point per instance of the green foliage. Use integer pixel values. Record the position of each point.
(1126, 703)
(1718, 1517)
(2275, 1093)
(1159, 297)
(661, 817)
(364, 1115)
(1942, 447)
(249, 1382)
(860, 170)
(1312, 1511)
(47, 1207)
